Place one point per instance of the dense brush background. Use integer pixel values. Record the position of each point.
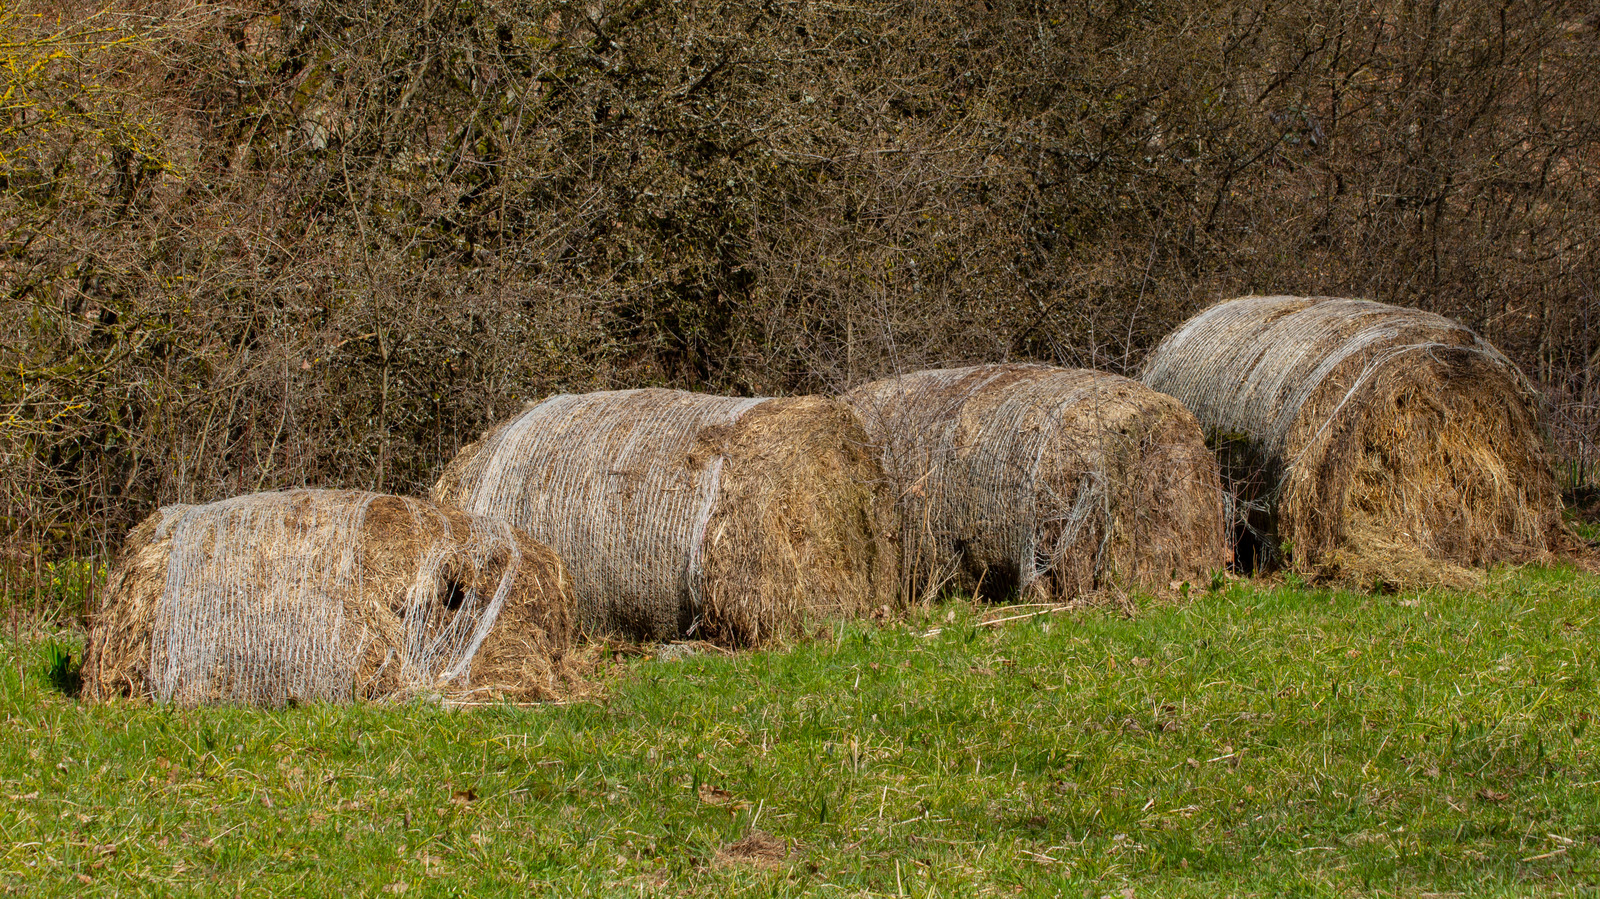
(251, 245)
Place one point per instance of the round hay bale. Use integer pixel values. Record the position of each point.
(680, 514)
(307, 595)
(1046, 481)
(1362, 440)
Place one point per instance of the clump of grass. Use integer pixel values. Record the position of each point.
(60, 669)
(1587, 529)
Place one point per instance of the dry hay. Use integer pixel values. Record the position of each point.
(305, 595)
(679, 514)
(1371, 443)
(1051, 482)
(756, 848)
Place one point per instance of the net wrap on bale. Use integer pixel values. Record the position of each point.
(309, 595)
(1052, 482)
(1369, 441)
(682, 514)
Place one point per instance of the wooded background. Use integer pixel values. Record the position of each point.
(327, 241)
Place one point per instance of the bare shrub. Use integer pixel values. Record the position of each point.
(286, 242)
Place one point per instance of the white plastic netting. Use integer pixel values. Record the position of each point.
(607, 480)
(1249, 367)
(975, 452)
(1361, 436)
(268, 599)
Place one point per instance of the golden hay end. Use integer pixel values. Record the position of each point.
(679, 514)
(1366, 442)
(1046, 481)
(308, 595)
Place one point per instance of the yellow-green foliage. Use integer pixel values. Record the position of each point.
(60, 88)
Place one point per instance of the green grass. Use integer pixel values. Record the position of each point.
(1258, 741)
(1587, 530)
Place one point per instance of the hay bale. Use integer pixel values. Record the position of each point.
(680, 514)
(330, 595)
(1047, 481)
(1371, 442)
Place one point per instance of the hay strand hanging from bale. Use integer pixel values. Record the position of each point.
(1370, 442)
(332, 595)
(681, 514)
(1046, 481)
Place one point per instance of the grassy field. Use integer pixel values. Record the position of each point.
(1259, 740)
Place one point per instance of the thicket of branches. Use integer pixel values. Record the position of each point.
(327, 241)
